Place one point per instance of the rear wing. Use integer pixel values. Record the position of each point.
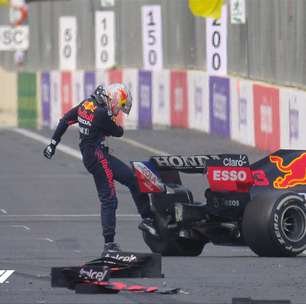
(283, 169)
(225, 172)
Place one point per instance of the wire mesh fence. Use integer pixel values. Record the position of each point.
(270, 46)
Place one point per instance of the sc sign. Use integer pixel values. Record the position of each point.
(14, 38)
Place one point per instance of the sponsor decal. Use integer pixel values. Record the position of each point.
(295, 171)
(243, 114)
(237, 179)
(241, 162)
(66, 91)
(5, 274)
(93, 274)
(148, 181)
(260, 178)
(161, 96)
(89, 106)
(198, 105)
(219, 99)
(232, 175)
(83, 121)
(131, 258)
(266, 117)
(231, 203)
(293, 125)
(179, 99)
(46, 97)
(84, 131)
(85, 115)
(145, 99)
(184, 162)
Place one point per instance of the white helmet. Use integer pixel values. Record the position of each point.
(119, 98)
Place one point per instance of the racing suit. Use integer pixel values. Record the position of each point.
(94, 125)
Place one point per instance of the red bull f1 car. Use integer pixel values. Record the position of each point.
(260, 205)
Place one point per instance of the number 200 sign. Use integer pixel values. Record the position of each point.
(105, 39)
(216, 44)
(152, 37)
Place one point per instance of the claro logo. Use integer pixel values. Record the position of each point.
(229, 175)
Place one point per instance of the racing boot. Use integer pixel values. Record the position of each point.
(148, 225)
(111, 247)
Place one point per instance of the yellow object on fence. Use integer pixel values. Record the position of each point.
(206, 8)
(4, 2)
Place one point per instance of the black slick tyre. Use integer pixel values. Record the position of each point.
(274, 224)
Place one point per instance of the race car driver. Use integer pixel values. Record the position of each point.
(96, 117)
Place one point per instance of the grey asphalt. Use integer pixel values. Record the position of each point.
(49, 217)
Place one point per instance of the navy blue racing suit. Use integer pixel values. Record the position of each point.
(94, 125)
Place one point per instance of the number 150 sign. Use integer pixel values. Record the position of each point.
(152, 37)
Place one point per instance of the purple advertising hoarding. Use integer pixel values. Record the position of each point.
(219, 101)
(293, 122)
(89, 83)
(45, 98)
(145, 99)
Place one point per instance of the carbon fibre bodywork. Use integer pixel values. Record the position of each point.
(234, 183)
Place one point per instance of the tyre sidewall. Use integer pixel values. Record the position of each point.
(277, 234)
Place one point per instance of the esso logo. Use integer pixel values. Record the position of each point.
(230, 175)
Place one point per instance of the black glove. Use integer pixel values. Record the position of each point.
(50, 149)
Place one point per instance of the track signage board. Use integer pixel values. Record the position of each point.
(105, 39)
(152, 37)
(14, 38)
(67, 42)
(216, 44)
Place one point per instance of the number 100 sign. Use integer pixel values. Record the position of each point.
(152, 37)
(105, 39)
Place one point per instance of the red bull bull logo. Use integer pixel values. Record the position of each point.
(89, 106)
(295, 172)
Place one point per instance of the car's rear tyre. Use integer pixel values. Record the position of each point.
(274, 225)
(173, 247)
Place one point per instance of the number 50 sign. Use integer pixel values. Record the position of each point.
(152, 37)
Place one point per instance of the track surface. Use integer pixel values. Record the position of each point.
(49, 217)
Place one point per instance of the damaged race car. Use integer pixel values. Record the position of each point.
(260, 205)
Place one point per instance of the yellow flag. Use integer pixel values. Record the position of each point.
(4, 2)
(206, 8)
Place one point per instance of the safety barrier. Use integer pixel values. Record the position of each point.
(8, 100)
(252, 113)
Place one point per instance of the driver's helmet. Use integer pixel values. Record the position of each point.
(119, 98)
(100, 95)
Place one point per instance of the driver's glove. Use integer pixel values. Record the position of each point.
(50, 149)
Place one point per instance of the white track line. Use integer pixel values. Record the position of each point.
(45, 239)
(5, 274)
(143, 146)
(22, 226)
(46, 141)
(77, 154)
(3, 211)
